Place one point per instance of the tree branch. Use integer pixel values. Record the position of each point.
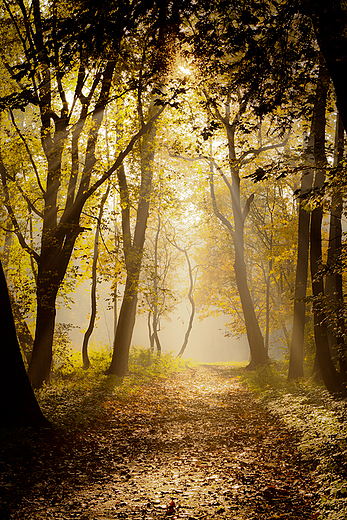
(28, 151)
(25, 246)
(257, 151)
(216, 211)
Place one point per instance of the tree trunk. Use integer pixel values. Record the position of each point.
(296, 357)
(255, 338)
(156, 339)
(267, 318)
(333, 284)
(89, 331)
(41, 359)
(155, 322)
(254, 335)
(330, 376)
(18, 405)
(52, 268)
(253, 332)
(192, 304)
(133, 251)
(125, 328)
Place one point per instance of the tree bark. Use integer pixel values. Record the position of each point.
(155, 321)
(330, 376)
(18, 404)
(333, 283)
(296, 356)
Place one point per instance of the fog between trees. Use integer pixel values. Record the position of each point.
(200, 123)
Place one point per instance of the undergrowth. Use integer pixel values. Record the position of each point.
(75, 397)
(321, 420)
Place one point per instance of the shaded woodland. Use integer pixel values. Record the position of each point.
(175, 152)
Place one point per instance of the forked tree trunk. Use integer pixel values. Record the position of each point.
(258, 353)
(254, 335)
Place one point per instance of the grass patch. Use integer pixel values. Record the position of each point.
(75, 398)
(321, 420)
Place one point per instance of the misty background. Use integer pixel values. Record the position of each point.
(207, 341)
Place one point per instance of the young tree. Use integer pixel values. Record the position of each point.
(157, 294)
(90, 328)
(192, 279)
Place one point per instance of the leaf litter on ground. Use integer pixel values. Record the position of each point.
(196, 445)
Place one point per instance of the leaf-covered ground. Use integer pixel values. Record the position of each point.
(194, 446)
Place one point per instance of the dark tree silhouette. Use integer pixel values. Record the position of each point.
(18, 404)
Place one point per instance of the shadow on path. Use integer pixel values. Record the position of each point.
(194, 446)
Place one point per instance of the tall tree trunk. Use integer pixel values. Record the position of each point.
(18, 405)
(89, 331)
(192, 304)
(296, 356)
(254, 335)
(255, 338)
(253, 332)
(333, 284)
(133, 252)
(155, 318)
(331, 377)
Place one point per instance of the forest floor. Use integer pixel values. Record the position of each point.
(197, 445)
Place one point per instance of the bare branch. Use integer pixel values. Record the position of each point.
(216, 211)
(123, 154)
(21, 239)
(247, 207)
(28, 151)
(257, 151)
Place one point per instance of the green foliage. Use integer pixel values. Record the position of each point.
(319, 419)
(146, 366)
(76, 398)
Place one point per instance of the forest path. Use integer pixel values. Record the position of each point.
(195, 446)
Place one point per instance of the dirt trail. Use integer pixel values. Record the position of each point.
(197, 446)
